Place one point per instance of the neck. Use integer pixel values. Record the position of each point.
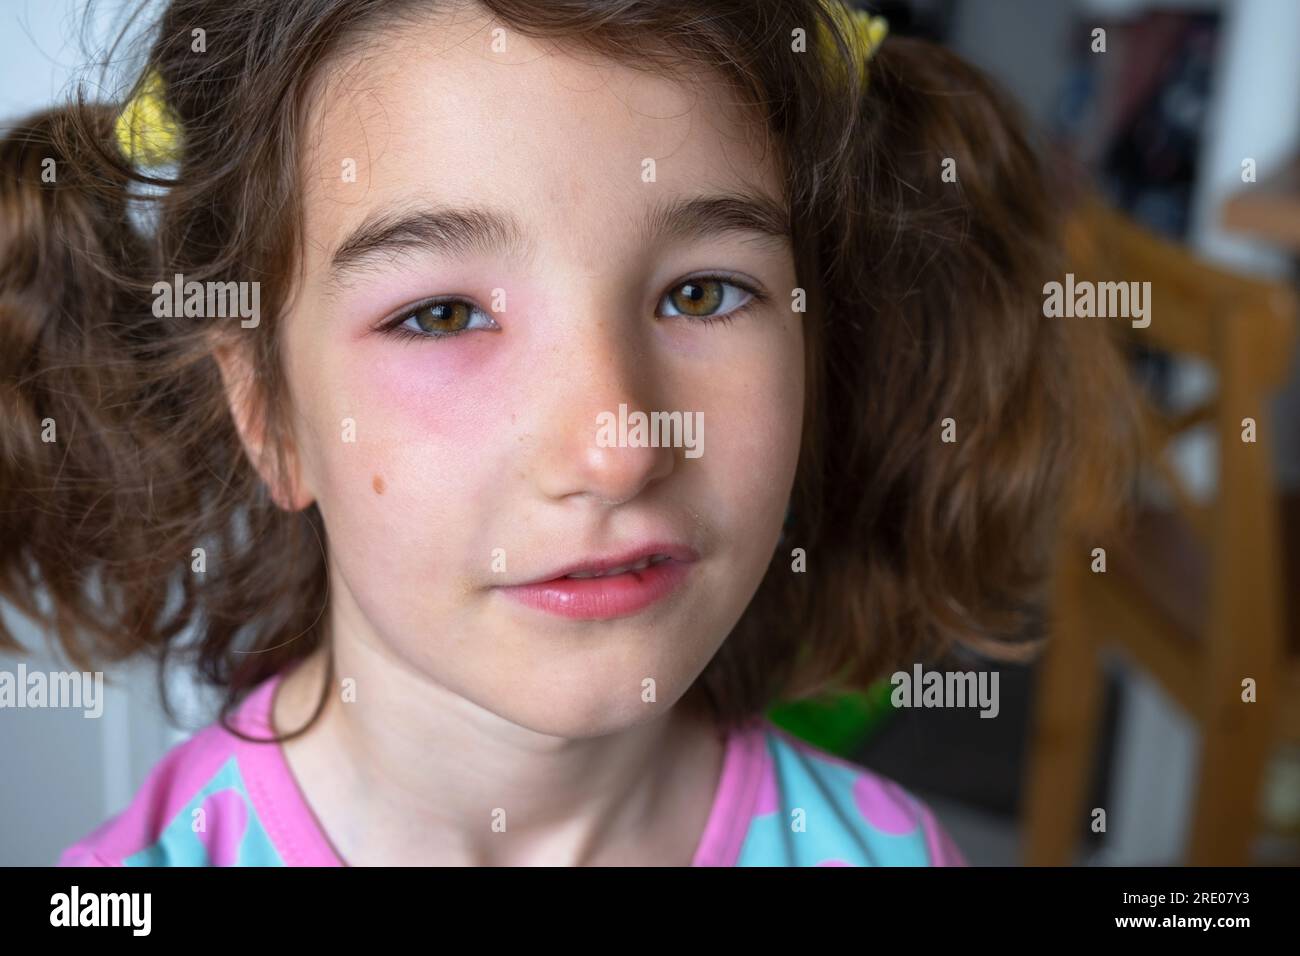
(410, 772)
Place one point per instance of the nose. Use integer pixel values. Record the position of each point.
(581, 450)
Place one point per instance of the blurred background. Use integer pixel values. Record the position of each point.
(1188, 127)
(1188, 124)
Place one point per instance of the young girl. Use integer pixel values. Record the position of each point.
(456, 618)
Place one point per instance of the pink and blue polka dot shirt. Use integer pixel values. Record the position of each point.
(779, 802)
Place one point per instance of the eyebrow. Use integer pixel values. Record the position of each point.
(462, 231)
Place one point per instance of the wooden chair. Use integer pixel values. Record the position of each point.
(1193, 593)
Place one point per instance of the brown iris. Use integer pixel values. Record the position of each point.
(697, 297)
(442, 318)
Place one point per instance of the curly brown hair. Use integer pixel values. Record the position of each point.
(924, 304)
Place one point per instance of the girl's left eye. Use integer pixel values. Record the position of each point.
(709, 298)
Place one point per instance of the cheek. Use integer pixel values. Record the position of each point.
(772, 396)
(757, 430)
(397, 442)
(422, 415)
(453, 392)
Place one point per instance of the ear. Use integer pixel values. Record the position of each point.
(248, 410)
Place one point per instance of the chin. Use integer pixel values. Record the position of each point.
(589, 712)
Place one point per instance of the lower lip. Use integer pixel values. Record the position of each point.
(598, 599)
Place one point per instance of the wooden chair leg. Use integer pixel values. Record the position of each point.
(1245, 639)
(1235, 746)
(1066, 709)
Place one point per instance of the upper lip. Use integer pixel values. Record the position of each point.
(676, 552)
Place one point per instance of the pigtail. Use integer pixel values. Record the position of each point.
(67, 382)
(976, 422)
(952, 429)
(130, 517)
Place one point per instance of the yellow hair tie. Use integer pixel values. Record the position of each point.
(147, 133)
(864, 33)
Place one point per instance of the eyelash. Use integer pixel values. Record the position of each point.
(756, 297)
(395, 326)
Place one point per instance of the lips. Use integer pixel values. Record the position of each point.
(640, 558)
(603, 588)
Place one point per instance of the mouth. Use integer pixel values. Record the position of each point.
(607, 588)
(599, 572)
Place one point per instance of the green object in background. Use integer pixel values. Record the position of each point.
(839, 724)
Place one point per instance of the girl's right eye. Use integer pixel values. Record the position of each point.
(440, 319)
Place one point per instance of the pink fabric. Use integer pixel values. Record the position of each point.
(280, 803)
(744, 789)
(277, 800)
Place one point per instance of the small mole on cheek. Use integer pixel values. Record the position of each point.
(378, 485)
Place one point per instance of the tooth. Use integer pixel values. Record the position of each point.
(640, 565)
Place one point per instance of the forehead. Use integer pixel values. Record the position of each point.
(468, 110)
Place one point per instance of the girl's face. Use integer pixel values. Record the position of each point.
(565, 213)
